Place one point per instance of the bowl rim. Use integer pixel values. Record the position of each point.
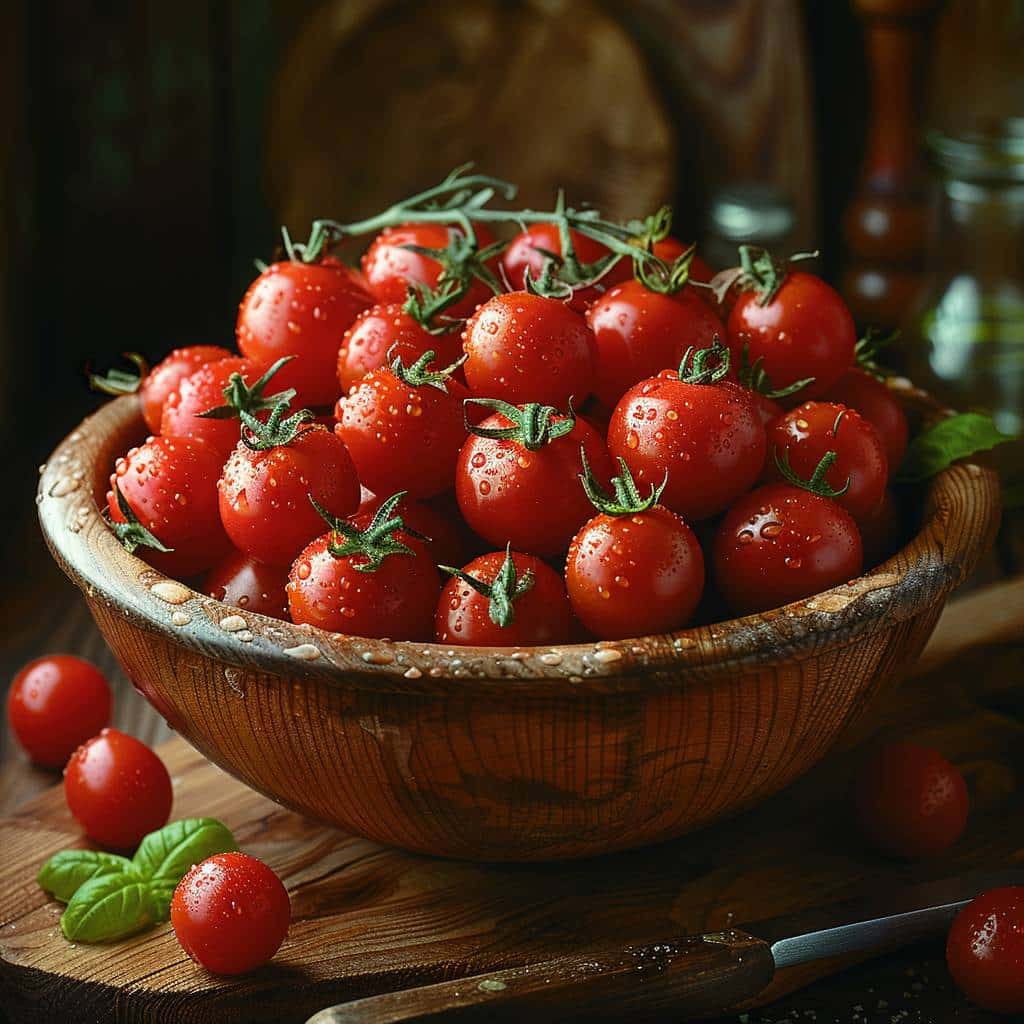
(959, 518)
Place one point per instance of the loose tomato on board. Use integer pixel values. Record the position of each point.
(875, 401)
(252, 586)
(56, 703)
(117, 789)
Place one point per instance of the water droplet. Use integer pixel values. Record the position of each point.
(632, 439)
(303, 652)
(551, 658)
(485, 487)
(771, 529)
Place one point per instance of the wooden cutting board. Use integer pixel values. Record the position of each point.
(368, 919)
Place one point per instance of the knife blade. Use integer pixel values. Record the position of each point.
(687, 976)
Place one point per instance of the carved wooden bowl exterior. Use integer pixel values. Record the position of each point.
(508, 754)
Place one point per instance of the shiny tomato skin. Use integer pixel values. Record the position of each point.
(400, 437)
(450, 542)
(911, 802)
(117, 789)
(532, 500)
(302, 310)
(779, 544)
(875, 401)
(708, 437)
(808, 432)
(264, 496)
(527, 348)
(56, 703)
(634, 575)
(230, 913)
(638, 333)
(985, 950)
(251, 586)
(542, 614)
(389, 268)
(804, 331)
(170, 483)
(165, 377)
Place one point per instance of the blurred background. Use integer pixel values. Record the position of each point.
(151, 152)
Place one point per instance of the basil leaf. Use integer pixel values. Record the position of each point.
(64, 872)
(950, 439)
(108, 907)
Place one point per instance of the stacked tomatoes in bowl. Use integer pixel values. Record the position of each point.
(570, 434)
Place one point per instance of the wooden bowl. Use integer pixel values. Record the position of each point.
(508, 754)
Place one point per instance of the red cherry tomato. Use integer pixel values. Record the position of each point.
(300, 309)
(805, 330)
(639, 333)
(523, 489)
(244, 583)
(170, 484)
(985, 950)
(527, 348)
(528, 600)
(376, 330)
(55, 703)
(450, 541)
(165, 377)
(780, 543)
(911, 802)
(230, 913)
(264, 495)
(117, 789)
(804, 435)
(876, 402)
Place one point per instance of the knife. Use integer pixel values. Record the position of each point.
(690, 976)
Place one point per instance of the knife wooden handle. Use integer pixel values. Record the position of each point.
(697, 974)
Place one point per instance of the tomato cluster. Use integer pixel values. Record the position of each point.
(569, 426)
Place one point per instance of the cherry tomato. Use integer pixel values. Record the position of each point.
(911, 802)
(376, 330)
(170, 485)
(519, 486)
(639, 332)
(230, 913)
(504, 599)
(985, 950)
(804, 330)
(706, 436)
(165, 377)
(527, 348)
(780, 543)
(403, 426)
(244, 583)
(880, 530)
(117, 789)
(669, 249)
(450, 541)
(264, 494)
(386, 588)
(55, 703)
(803, 436)
(876, 402)
(300, 309)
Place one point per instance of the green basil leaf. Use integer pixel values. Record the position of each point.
(108, 907)
(943, 443)
(64, 872)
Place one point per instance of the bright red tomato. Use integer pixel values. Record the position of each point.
(639, 333)
(403, 426)
(300, 309)
(54, 704)
(527, 348)
(504, 600)
(804, 330)
(450, 541)
(781, 543)
(165, 377)
(803, 436)
(170, 486)
(911, 802)
(242, 582)
(230, 913)
(117, 789)
(700, 429)
(875, 401)
(366, 577)
(519, 486)
(985, 950)
(264, 493)
(669, 249)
